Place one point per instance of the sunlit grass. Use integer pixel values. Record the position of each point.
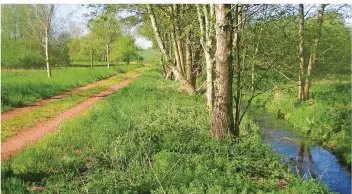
(21, 87)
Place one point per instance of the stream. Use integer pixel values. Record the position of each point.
(304, 157)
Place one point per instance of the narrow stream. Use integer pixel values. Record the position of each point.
(305, 158)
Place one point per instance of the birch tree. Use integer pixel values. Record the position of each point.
(40, 27)
(106, 29)
(206, 36)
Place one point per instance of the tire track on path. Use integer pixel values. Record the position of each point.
(33, 134)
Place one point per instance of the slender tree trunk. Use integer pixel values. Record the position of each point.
(176, 53)
(180, 54)
(239, 21)
(188, 86)
(196, 58)
(162, 65)
(107, 55)
(301, 51)
(206, 44)
(189, 62)
(48, 70)
(222, 116)
(177, 37)
(313, 56)
(91, 58)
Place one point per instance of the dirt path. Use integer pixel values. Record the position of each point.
(33, 134)
(20, 111)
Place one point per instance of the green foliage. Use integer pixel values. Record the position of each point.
(23, 87)
(146, 135)
(124, 49)
(60, 52)
(17, 54)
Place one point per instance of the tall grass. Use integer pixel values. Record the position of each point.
(20, 87)
(148, 138)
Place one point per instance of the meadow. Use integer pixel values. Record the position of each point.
(21, 87)
(149, 138)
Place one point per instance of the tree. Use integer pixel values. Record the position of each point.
(18, 49)
(222, 116)
(41, 24)
(166, 55)
(206, 36)
(124, 49)
(313, 56)
(106, 29)
(301, 51)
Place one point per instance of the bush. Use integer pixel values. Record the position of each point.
(18, 55)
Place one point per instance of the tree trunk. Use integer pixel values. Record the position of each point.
(207, 44)
(107, 55)
(188, 86)
(239, 22)
(301, 52)
(176, 53)
(189, 62)
(48, 70)
(91, 58)
(177, 37)
(180, 54)
(313, 56)
(196, 58)
(162, 65)
(222, 116)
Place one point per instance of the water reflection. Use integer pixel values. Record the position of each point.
(306, 159)
(305, 153)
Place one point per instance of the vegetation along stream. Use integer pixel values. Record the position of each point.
(306, 159)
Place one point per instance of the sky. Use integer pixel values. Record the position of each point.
(70, 15)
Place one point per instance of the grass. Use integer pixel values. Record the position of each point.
(325, 117)
(83, 63)
(146, 138)
(21, 87)
(150, 54)
(13, 126)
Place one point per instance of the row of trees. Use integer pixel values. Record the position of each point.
(105, 41)
(240, 45)
(31, 37)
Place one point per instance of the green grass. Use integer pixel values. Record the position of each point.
(143, 136)
(83, 63)
(150, 54)
(21, 87)
(14, 125)
(325, 117)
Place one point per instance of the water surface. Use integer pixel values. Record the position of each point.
(305, 158)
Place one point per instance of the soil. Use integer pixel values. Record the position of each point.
(31, 135)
